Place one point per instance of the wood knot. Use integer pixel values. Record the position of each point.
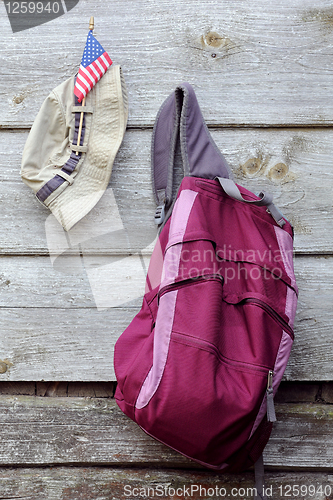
(4, 281)
(216, 43)
(18, 99)
(3, 367)
(214, 39)
(252, 166)
(278, 172)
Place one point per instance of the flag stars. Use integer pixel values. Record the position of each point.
(95, 62)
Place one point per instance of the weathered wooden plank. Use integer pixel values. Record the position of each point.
(250, 66)
(105, 483)
(72, 283)
(302, 428)
(58, 325)
(60, 344)
(295, 165)
(307, 320)
(72, 431)
(32, 282)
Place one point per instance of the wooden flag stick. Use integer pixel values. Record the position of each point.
(91, 27)
(80, 126)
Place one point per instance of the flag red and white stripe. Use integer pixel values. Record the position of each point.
(94, 64)
(89, 76)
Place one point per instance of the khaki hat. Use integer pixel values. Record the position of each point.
(71, 184)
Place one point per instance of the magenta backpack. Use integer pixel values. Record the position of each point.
(199, 365)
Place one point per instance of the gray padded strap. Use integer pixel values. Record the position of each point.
(259, 473)
(164, 140)
(179, 120)
(266, 199)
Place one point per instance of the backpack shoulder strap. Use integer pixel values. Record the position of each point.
(180, 119)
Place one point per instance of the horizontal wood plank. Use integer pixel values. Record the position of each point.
(269, 65)
(73, 431)
(60, 344)
(105, 483)
(295, 166)
(62, 323)
(300, 428)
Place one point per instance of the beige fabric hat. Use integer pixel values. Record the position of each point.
(71, 184)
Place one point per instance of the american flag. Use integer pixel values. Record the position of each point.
(95, 62)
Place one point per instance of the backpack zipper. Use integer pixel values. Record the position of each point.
(209, 347)
(271, 417)
(187, 282)
(272, 313)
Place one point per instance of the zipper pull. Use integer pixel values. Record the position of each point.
(271, 417)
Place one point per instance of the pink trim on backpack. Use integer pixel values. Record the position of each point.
(285, 242)
(281, 359)
(164, 322)
(166, 310)
(279, 368)
(286, 249)
(291, 304)
(182, 208)
(155, 268)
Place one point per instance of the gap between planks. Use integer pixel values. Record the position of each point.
(211, 127)
(289, 392)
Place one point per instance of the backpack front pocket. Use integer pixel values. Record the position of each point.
(189, 305)
(205, 405)
(255, 330)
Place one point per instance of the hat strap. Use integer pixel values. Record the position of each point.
(70, 165)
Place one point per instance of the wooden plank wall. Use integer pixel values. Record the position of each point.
(263, 77)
